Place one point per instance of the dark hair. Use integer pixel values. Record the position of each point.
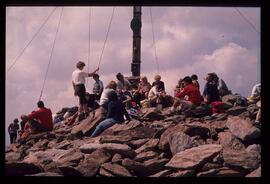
(213, 77)
(112, 96)
(16, 120)
(119, 75)
(40, 104)
(95, 75)
(194, 77)
(80, 64)
(187, 79)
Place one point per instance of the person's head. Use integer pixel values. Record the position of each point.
(96, 77)
(40, 104)
(112, 85)
(211, 77)
(119, 76)
(16, 120)
(112, 96)
(187, 80)
(157, 78)
(194, 77)
(144, 80)
(80, 65)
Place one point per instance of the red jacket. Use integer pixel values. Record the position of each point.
(192, 92)
(44, 116)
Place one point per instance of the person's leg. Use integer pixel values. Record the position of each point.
(258, 116)
(11, 138)
(102, 126)
(176, 103)
(35, 125)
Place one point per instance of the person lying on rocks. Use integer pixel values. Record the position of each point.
(143, 89)
(40, 120)
(121, 82)
(193, 93)
(78, 82)
(194, 78)
(210, 92)
(116, 112)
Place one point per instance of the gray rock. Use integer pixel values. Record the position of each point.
(150, 145)
(137, 143)
(21, 169)
(194, 157)
(12, 156)
(112, 148)
(229, 141)
(88, 167)
(183, 173)
(235, 111)
(209, 165)
(180, 141)
(116, 169)
(242, 128)
(143, 156)
(162, 173)
(155, 165)
(152, 114)
(100, 156)
(138, 168)
(117, 158)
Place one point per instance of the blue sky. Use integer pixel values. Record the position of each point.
(188, 40)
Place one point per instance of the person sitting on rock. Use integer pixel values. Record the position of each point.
(193, 93)
(126, 97)
(104, 96)
(158, 80)
(116, 112)
(40, 120)
(143, 89)
(223, 89)
(121, 82)
(13, 130)
(211, 93)
(156, 94)
(194, 78)
(255, 93)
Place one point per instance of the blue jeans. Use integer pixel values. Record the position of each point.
(107, 123)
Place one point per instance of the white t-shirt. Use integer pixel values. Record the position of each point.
(78, 76)
(152, 93)
(120, 85)
(104, 95)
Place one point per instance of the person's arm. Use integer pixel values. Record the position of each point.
(125, 113)
(181, 94)
(73, 84)
(33, 115)
(91, 74)
(101, 87)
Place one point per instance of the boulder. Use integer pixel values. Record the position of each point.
(88, 167)
(180, 141)
(150, 145)
(137, 143)
(230, 99)
(100, 156)
(111, 148)
(116, 169)
(218, 126)
(242, 128)
(143, 156)
(220, 172)
(42, 144)
(194, 157)
(105, 173)
(236, 110)
(69, 171)
(209, 165)
(162, 173)
(12, 156)
(255, 173)
(63, 145)
(117, 158)
(21, 169)
(197, 128)
(229, 141)
(183, 173)
(152, 114)
(138, 168)
(155, 165)
(242, 159)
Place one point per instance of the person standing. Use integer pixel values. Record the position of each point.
(12, 130)
(98, 87)
(78, 82)
(210, 92)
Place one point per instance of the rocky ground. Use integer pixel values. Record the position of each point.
(224, 145)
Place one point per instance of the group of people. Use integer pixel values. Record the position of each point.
(120, 96)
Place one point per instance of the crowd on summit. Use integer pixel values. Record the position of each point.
(120, 101)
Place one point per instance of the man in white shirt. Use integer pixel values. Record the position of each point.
(78, 82)
(122, 82)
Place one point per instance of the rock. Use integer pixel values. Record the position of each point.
(121, 127)
(209, 165)
(208, 173)
(21, 169)
(180, 141)
(37, 136)
(137, 143)
(254, 148)
(88, 167)
(12, 156)
(138, 168)
(143, 156)
(183, 173)
(228, 172)
(42, 144)
(51, 174)
(100, 156)
(230, 99)
(219, 126)
(160, 124)
(112, 148)
(235, 111)
(64, 145)
(117, 158)
(88, 125)
(197, 128)
(194, 157)
(242, 128)
(152, 114)
(103, 172)
(220, 117)
(229, 141)
(162, 173)
(155, 165)
(116, 169)
(150, 145)
(241, 159)
(255, 173)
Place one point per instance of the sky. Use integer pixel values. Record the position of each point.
(189, 40)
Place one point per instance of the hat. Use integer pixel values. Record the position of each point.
(80, 64)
